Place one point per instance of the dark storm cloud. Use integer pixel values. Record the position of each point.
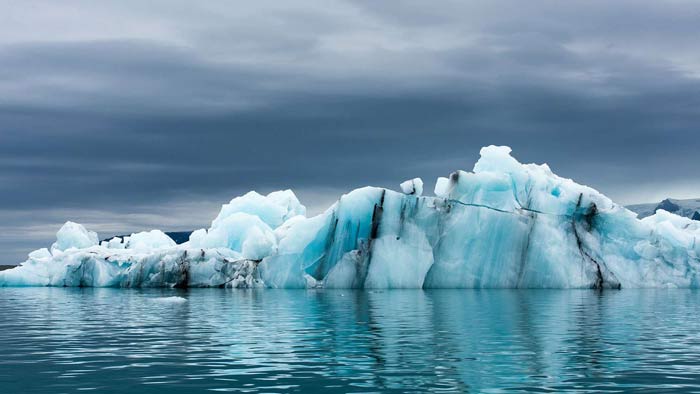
(152, 115)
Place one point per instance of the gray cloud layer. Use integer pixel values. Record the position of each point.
(128, 116)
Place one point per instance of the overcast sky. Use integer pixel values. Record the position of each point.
(134, 115)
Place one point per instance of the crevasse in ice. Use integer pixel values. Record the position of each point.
(503, 225)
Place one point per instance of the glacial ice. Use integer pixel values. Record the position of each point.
(412, 186)
(503, 225)
(74, 235)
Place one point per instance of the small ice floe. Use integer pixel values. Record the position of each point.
(170, 300)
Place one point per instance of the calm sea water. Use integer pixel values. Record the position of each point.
(55, 340)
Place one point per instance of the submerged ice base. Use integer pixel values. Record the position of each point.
(503, 225)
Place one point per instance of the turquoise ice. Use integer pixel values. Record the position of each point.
(503, 225)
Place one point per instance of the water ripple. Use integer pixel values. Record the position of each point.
(272, 341)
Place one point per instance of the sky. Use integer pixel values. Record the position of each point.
(132, 115)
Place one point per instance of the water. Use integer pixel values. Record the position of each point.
(55, 340)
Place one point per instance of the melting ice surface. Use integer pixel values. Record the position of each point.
(503, 225)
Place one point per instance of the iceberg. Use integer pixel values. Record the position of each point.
(502, 225)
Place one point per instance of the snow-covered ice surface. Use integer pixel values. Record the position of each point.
(503, 225)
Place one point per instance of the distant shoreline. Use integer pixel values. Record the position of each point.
(6, 267)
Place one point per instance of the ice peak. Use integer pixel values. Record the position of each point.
(74, 235)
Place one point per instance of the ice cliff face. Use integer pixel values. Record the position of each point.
(503, 225)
